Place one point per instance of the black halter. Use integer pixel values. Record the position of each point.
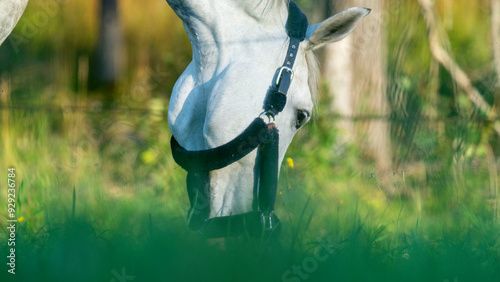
(259, 135)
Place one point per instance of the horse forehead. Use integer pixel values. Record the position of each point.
(253, 67)
(245, 74)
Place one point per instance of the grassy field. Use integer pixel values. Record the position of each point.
(94, 205)
(102, 200)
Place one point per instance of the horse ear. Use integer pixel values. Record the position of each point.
(335, 28)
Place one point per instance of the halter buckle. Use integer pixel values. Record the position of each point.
(267, 220)
(269, 115)
(280, 74)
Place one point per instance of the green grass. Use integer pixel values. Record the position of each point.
(101, 195)
(112, 202)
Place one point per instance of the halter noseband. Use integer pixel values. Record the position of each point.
(259, 134)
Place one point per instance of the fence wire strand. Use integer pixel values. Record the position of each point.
(141, 111)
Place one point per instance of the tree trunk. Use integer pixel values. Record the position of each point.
(495, 34)
(110, 48)
(356, 71)
(446, 60)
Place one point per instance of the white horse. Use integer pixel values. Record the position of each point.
(237, 47)
(10, 13)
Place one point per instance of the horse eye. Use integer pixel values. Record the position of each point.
(301, 118)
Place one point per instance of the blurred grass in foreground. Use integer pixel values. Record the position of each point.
(435, 219)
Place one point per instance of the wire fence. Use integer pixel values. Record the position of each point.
(474, 118)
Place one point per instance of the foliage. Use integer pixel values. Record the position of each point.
(435, 218)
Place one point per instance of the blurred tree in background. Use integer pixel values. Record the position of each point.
(356, 71)
(110, 52)
(416, 96)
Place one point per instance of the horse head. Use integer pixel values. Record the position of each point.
(238, 48)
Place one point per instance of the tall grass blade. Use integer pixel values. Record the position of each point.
(74, 203)
(150, 226)
(296, 234)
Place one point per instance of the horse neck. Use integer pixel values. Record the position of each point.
(218, 29)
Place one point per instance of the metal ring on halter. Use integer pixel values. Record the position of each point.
(269, 116)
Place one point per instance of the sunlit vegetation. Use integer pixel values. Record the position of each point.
(100, 191)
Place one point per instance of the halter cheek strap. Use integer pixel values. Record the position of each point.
(257, 135)
(296, 29)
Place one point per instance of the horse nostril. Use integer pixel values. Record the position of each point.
(301, 118)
